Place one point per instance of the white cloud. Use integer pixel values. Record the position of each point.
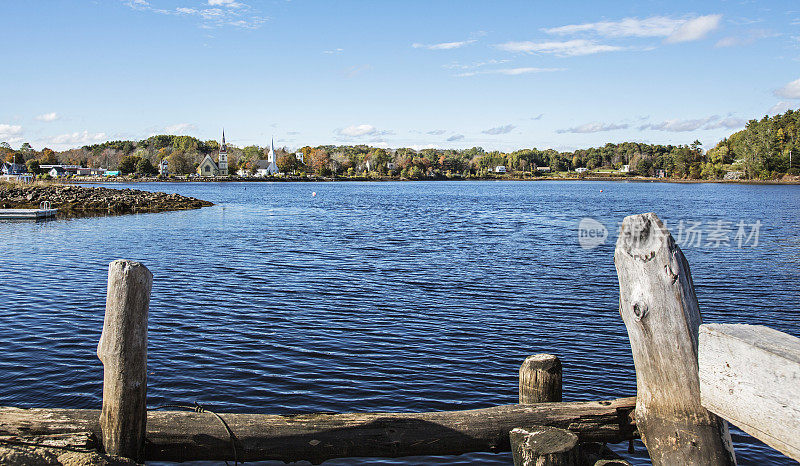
(77, 138)
(437, 132)
(333, 51)
(358, 131)
(537, 117)
(9, 131)
(424, 146)
(780, 107)
(179, 129)
(655, 26)
(48, 117)
(505, 129)
(455, 137)
(727, 123)
(227, 3)
(219, 14)
(790, 91)
(511, 71)
(694, 29)
(444, 45)
(569, 48)
(673, 29)
(744, 38)
(712, 122)
(594, 127)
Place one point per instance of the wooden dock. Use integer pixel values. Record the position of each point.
(27, 214)
(691, 379)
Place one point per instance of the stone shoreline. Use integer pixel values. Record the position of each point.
(75, 201)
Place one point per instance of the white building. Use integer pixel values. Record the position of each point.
(500, 169)
(625, 169)
(581, 170)
(272, 168)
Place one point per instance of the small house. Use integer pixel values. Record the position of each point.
(542, 169)
(625, 169)
(57, 172)
(500, 169)
(581, 170)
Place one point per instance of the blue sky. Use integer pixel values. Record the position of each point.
(497, 74)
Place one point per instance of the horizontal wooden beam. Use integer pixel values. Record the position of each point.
(189, 436)
(750, 375)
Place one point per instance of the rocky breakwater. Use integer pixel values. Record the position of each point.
(80, 201)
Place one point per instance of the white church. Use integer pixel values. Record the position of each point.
(263, 168)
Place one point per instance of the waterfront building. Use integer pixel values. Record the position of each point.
(220, 168)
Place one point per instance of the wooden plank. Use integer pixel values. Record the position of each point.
(750, 375)
(659, 307)
(188, 436)
(123, 350)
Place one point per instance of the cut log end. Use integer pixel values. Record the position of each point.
(544, 446)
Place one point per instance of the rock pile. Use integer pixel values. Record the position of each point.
(80, 201)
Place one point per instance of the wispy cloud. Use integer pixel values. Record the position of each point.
(333, 51)
(789, 91)
(511, 71)
(436, 132)
(360, 131)
(78, 138)
(672, 29)
(746, 38)
(569, 48)
(444, 45)
(594, 127)
(694, 29)
(505, 129)
(780, 107)
(354, 71)
(216, 14)
(537, 117)
(179, 129)
(9, 132)
(455, 137)
(48, 117)
(712, 122)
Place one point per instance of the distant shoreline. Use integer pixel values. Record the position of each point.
(638, 179)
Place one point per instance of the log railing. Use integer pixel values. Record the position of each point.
(748, 375)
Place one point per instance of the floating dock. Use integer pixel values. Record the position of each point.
(29, 214)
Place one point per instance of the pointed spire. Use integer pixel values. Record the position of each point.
(223, 136)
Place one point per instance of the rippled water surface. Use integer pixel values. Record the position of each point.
(376, 296)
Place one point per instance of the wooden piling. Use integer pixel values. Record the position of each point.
(540, 379)
(660, 310)
(123, 351)
(544, 446)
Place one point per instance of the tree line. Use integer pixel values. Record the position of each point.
(764, 149)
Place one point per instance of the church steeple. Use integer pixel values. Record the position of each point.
(223, 156)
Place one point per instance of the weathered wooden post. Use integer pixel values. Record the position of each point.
(540, 379)
(540, 382)
(123, 351)
(660, 310)
(544, 446)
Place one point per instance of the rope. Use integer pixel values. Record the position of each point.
(198, 408)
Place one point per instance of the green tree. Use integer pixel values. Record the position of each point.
(128, 164)
(145, 167)
(33, 166)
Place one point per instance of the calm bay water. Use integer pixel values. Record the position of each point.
(376, 296)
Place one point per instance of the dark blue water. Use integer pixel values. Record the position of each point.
(377, 296)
